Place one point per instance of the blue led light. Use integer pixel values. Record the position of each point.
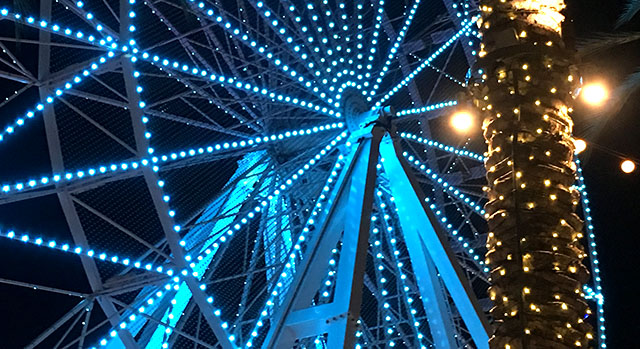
(77, 250)
(133, 165)
(437, 145)
(466, 27)
(596, 278)
(427, 108)
(21, 120)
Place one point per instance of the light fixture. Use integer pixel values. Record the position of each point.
(594, 94)
(580, 145)
(628, 166)
(462, 121)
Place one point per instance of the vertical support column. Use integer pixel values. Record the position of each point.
(355, 244)
(425, 238)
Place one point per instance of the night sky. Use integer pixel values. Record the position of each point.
(613, 194)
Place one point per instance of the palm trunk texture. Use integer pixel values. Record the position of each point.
(525, 95)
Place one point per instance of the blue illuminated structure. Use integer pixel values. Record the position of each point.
(231, 176)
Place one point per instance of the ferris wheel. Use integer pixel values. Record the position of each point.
(221, 174)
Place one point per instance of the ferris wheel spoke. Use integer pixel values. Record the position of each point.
(94, 176)
(239, 85)
(95, 66)
(189, 48)
(366, 65)
(66, 33)
(111, 258)
(465, 29)
(334, 67)
(229, 58)
(393, 49)
(442, 147)
(438, 181)
(427, 108)
(279, 62)
(83, 12)
(294, 44)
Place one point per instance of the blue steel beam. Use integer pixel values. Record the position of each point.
(419, 224)
(434, 299)
(349, 210)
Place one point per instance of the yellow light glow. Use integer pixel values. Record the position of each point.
(462, 121)
(594, 94)
(628, 166)
(581, 145)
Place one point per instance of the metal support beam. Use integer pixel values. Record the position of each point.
(425, 237)
(349, 211)
(57, 164)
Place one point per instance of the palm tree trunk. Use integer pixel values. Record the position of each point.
(525, 95)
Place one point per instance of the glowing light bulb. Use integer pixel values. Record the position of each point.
(594, 94)
(462, 121)
(628, 166)
(580, 144)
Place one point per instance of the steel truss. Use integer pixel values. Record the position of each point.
(208, 213)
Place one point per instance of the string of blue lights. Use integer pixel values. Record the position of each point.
(393, 50)
(86, 71)
(466, 28)
(226, 148)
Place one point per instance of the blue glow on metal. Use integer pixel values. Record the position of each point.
(157, 160)
(208, 250)
(58, 91)
(437, 145)
(393, 51)
(465, 28)
(427, 108)
(80, 251)
(593, 257)
(290, 270)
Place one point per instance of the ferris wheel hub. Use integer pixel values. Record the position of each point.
(359, 115)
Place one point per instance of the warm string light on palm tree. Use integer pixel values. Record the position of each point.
(525, 92)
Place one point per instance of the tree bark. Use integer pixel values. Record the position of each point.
(525, 90)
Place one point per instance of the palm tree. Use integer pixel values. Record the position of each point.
(525, 94)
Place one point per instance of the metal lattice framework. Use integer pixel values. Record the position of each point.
(225, 174)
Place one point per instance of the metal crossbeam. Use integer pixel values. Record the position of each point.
(425, 237)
